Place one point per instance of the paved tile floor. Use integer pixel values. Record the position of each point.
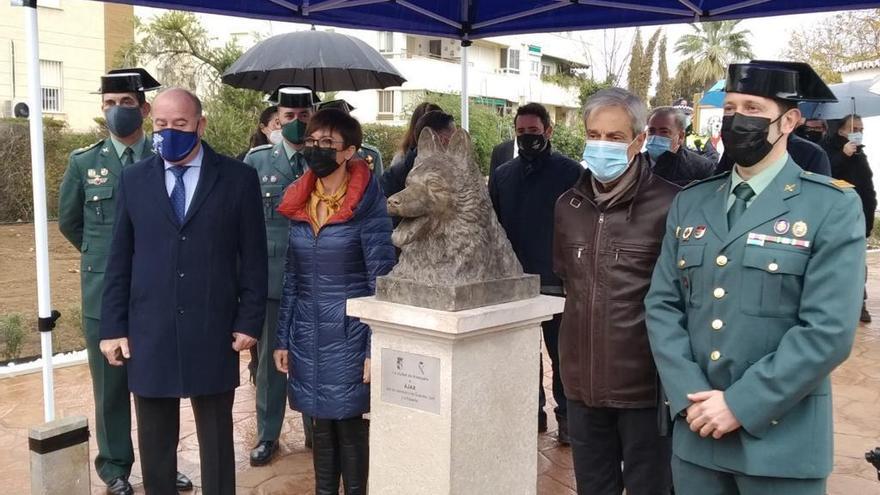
(856, 406)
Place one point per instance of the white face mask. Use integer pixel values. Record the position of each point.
(275, 136)
(855, 137)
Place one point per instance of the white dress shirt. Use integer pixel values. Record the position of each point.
(190, 178)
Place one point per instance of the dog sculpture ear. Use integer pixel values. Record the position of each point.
(460, 146)
(429, 142)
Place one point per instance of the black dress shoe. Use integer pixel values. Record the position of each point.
(119, 486)
(562, 434)
(182, 483)
(865, 317)
(542, 422)
(263, 452)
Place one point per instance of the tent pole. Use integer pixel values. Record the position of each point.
(465, 112)
(41, 232)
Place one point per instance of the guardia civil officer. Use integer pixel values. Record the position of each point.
(86, 212)
(277, 166)
(368, 153)
(755, 300)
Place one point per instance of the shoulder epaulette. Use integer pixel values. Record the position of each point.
(838, 184)
(259, 148)
(82, 150)
(722, 175)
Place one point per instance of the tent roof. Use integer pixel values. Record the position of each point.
(472, 19)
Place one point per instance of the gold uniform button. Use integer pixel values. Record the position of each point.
(773, 267)
(268, 194)
(721, 260)
(774, 422)
(681, 263)
(94, 198)
(717, 324)
(719, 293)
(715, 356)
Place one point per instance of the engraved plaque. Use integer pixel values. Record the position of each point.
(411, 380)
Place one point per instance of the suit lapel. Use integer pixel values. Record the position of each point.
(770, 203)
(281, 163)
(207, 179)
(157, 188)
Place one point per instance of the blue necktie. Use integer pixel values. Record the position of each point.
(178, 194)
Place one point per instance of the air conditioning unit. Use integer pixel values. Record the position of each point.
(20, 109)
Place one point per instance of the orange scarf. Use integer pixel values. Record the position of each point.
(333, 202)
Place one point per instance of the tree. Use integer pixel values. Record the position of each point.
(663, 92)
(712, 47)
(830, 44)
(685, 84)
(633, 76)
(589, 87)
(181, 49)
(647, 66)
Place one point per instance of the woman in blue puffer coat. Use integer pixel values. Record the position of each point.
(339, 242)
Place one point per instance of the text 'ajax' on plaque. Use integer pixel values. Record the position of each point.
(411, 380)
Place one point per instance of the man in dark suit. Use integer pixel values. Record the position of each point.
(185, 291)
(501, 154)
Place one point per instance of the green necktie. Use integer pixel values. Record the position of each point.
(743, 193)
(127, 156)
(296, 164)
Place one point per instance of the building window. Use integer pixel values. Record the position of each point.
(386, 102)
(50, 78)
(434, 48)
(386, 42)
(510, 60)
(546, 69)
(535, 67)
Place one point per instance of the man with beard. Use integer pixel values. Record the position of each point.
(524, 192)
(754, 300)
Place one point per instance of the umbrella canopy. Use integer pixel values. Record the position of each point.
(714, 96)
(853, 97)
(321, 60)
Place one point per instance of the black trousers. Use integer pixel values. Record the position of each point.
(340, 448)
(603, 438)
(158, 433)
(550, 330)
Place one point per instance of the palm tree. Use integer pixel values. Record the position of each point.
(712, 47)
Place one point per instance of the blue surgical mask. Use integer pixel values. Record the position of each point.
(606, 160)
(855, 137)
(173, 145)
(657, 145)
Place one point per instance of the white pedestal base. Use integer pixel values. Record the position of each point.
(454, 397)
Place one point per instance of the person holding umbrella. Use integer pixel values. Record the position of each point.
(277, 166)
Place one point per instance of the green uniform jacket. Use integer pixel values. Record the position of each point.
(275, 172)
(87, 210)
(762, 318)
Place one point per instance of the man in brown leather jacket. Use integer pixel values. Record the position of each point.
(608, 230)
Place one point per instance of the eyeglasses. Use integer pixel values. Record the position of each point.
(324, 142)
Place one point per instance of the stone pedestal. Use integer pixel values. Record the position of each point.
(454, 397)
(60, 457)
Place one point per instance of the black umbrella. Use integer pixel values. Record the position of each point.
(321, 60)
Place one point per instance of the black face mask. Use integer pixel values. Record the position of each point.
(814, 135)
(745, 138)
(322, 161)
(531, 145)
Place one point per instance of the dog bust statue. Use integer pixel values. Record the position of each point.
(454, 253)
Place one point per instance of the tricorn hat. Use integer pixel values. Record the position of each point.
(337, 104)
(294, 96)
(789, 81)
(130, 80)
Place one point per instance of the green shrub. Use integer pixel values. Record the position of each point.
(569, 140)
(385, 137)
(12, 331)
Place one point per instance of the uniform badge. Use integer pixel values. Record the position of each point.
(91, 173)
(265, 178)
(273, 179)
(799, 229)
(781, 227)
(699, 232)
(104, 172)
(104, 150)
(687, 233)
(790, 187)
